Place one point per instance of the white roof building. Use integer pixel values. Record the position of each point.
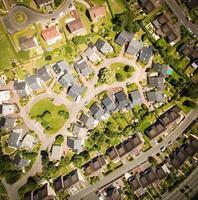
(5, 95)
(28, 142)
(56, 152)
(7, 109)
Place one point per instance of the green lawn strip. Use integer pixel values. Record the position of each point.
(131, 87)
(20, 74)
(116, 6)
(57, 88)
(50, 119)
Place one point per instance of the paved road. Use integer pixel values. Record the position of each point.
(181, 16)
(141, 159)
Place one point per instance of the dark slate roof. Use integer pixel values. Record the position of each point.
(109, 104)
(44, 74)
(61, 67)
(33, 82)
(75, 91)
(123, 38)
(192, 4)
(7, 122)
(188, 149)
(41, 193)
(19, 161)
(121, 150)
(99, 44)
(112, 193)
(70, 179)
(58, 184)
(134, 47)
(150, 174)
(143, 179)
(157, 82)
(160, 69)
(194, 143)
(20, 87)
(135, 97)
(88, 121)
(112, 153)
(148, 5)
(121, 99)
(82, 66)
(76, 144)
(160, 172)
(146, 53)
(155, 96)
(15, 140)
(134, 183)
(96, 111)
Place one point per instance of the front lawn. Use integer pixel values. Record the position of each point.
(51, 117)
(116, 6)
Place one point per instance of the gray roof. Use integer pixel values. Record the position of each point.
(121, 99)
(44, 74)
(103, 46)
(15, 140)
(123, 38)
(135, 97)
(20, 87)
(7, 122)
(76, 144)
(146, 53)
(109, 104)
(134, 47)
(56, 152)
(87, 121)
(26, 43)
(33, 82)
(156, 96)
(82, 66)
(157, 82)
(75, 91)
(67, 80)
(61, 67)
(160, 69)
(97, 111)
(20, 162)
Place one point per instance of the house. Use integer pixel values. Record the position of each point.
(145, 54)
(7, 109)
(96, 111)
(14, 140)
(112, 153)
(148, 5)
(20, 162)
(33, 83)
(124, 38)
(51, 34)
(7, 123)
(76, 92)
(103, 46)
(156, 82)
(162, 70)
(21, 88)
(191, 4)
(88, 121)
(43, 74)
(61, 68)
(27, 43)
(134, 47)
(82, 67)
(144, 182)
(75, 144)
(135, 98)
(5, 95)
(155, 96)
(76, 27)
(58, 184)
(97, 12)
(56, 152)
(41, 193)
(134, 183)
(79, 131)
(111, 193)
(109, 104)
(94, 165)
(131, 143)
(161, 174)
(159, 21)
(28, 142)
(121, 150)
(121, 99)
(150, 174)
(67, 80)
(41, 3)
(91, 54)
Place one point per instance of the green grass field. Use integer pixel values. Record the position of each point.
(116, 6)
(48, 115)
(7, 52)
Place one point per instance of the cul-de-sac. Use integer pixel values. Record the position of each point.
(98, 99)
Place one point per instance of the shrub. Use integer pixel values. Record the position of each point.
(119, 77)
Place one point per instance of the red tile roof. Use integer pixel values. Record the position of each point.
(97, 11)
(50, 33)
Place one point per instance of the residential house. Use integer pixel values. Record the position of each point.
(5, 95)
(7, 109)
(27, 43)
(61, 68)
(58, 184)
(96, 111)
(28, 142)
(76, 27)
(112, 153)
(121, 100)
(134, 183)
(55, 153)
(67, 80)
(82, 67)
(14, 140)
(135, 98)
(7, 123)
(145, 54)
(109, 104)
(79, 131)
(161, 174)
(21, 88)
(148, 5)
(91, 54)
(124, 38)
(111, 193)
(76, 92)
(121, 150)
(191, 4)
(88, 121)
(144, 182)
(150, 174)
(33, 82)
(156, 82)
(94, 165)
(97, 12)
(134, 47)
(41, 3)
(161, 70)
(155, 96)
(51, 34)
(103, 46)
(41, 193)
(75, 144)
(43, 74)
(20, 162)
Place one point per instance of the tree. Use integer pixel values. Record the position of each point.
(106, 76)
(63, 114)
(119, 77)
(59, 139)
(189, 103)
